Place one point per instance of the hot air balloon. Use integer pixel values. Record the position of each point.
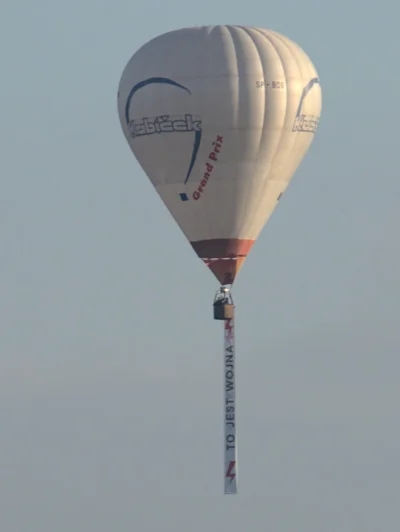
(219, 118)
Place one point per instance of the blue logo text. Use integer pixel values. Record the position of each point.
(140, 127)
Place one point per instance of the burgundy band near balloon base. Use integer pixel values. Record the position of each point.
(224, 256)
(220, 248)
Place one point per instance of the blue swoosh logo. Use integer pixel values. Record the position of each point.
(166, 81)
(306, 90)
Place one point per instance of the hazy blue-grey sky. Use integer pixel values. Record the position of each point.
(110, 362)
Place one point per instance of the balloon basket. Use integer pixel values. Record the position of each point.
(224, 308)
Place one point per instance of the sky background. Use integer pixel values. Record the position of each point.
(110, 362)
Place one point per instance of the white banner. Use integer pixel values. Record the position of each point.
(230, 441)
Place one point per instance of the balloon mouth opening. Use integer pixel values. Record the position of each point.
(225, 269)
(223, 256)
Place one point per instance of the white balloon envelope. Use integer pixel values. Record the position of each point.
(219, 118)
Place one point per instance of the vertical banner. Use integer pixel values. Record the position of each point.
(230, 441)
